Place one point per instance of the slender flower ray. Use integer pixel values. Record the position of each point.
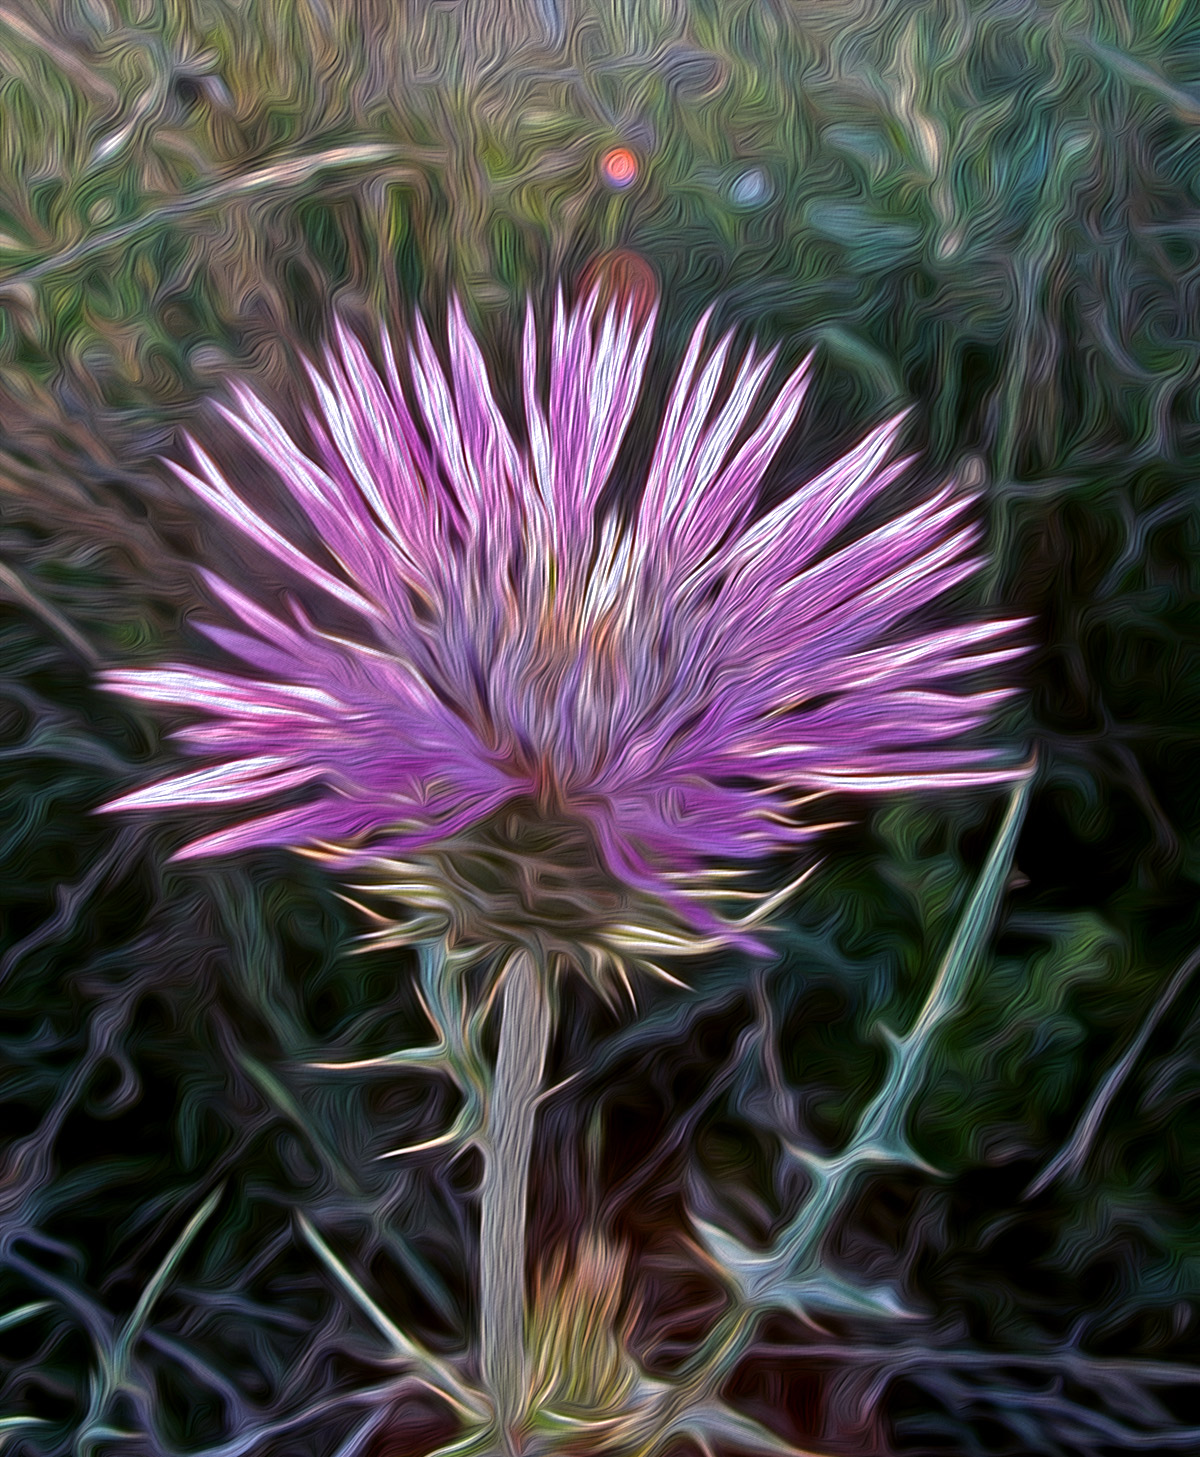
(551, 729)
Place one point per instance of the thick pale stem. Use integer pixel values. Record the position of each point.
(524, 1037)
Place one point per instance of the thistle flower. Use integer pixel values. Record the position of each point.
(550, 720)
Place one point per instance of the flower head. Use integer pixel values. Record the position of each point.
(584, 1376)
(549, 718)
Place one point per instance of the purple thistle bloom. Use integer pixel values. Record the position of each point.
(669, 684)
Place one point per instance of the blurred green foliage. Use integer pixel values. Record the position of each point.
(987, 210)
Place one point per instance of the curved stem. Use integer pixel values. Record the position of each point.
(508, 1139)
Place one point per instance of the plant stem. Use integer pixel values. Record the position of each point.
(524, 1038)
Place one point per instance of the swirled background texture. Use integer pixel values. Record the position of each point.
(990, 212)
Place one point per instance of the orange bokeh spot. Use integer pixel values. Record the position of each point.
(619, 167)
(622, 280)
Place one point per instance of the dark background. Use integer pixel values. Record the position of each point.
(987, 211)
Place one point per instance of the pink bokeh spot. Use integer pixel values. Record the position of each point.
(619, 167)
